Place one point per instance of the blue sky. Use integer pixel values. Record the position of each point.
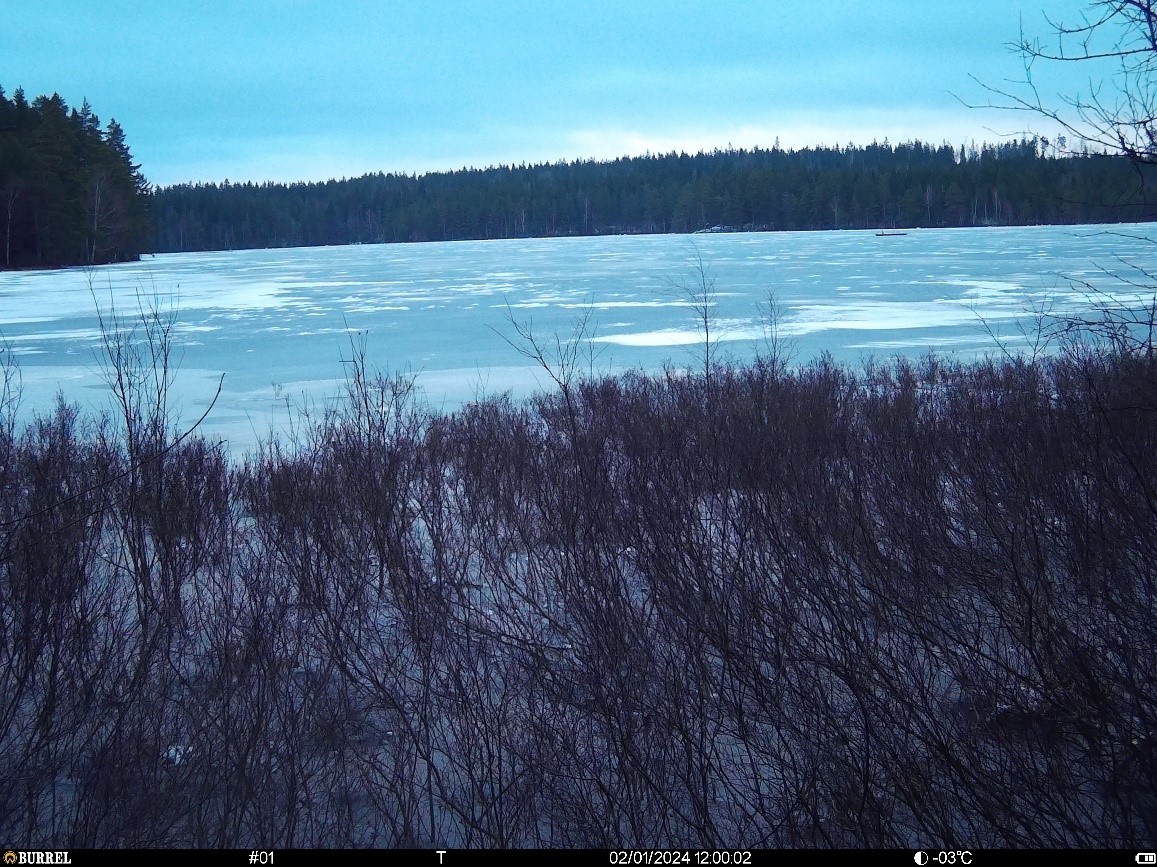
(303, 90)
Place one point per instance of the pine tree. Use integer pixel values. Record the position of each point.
(70, 193)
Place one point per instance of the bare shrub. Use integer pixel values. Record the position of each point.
(766, 607)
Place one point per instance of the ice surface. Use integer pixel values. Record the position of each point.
(279, 323)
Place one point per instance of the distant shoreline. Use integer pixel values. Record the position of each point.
(887, 231)
(729, 230)
(715, 230)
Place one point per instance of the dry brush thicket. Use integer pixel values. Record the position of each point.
(908, 604)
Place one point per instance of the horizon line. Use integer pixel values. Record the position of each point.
(973, 143)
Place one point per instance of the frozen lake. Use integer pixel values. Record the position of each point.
(277, 323)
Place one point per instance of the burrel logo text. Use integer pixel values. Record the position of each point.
(11, 857)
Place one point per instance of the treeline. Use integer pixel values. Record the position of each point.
(70, 193)
(1015, 183)
(750, 607)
